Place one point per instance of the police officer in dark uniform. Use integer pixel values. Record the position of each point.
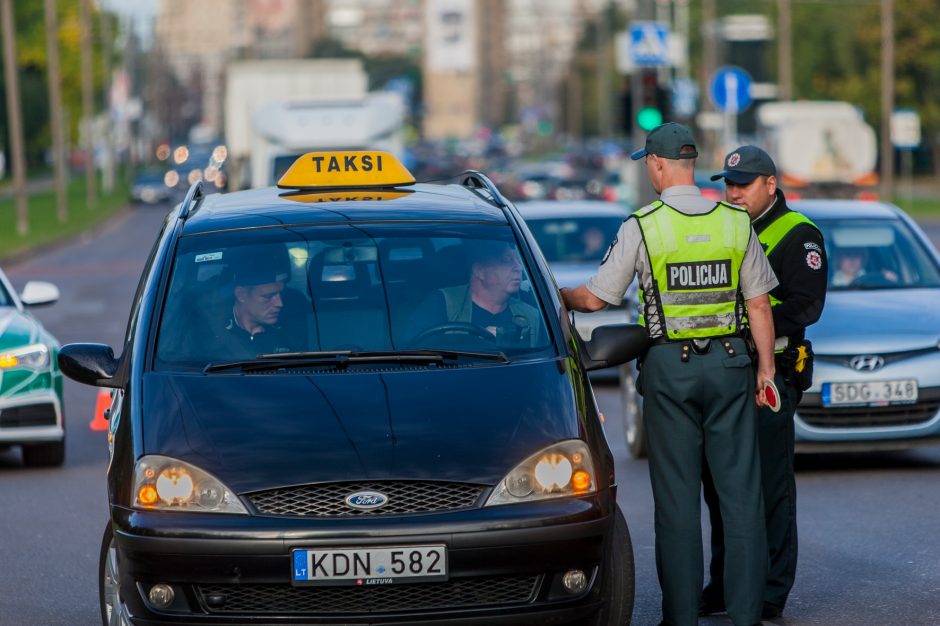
(794, 247)
(701, 267)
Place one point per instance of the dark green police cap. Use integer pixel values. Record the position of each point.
(667, 140)
(745, 164)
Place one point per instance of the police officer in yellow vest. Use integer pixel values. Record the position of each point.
(701, 269)
(794, 247)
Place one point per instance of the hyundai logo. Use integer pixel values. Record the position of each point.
(867, 363)
(366, 500)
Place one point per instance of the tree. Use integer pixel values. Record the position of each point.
(32, 63)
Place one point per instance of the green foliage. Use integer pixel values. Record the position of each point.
(30, 35)
(380, 69)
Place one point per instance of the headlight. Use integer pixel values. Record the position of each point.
(162, 483)
(560, 470)
(34, 357)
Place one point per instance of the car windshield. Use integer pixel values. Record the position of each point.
(876, 254)
(310, 292)
(574, 239)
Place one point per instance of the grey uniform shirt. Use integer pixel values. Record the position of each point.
(627, 256)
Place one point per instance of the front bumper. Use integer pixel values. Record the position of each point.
(857, 428)
(505, 566)
(31, 417)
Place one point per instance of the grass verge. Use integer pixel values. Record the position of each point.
(927, 208)
(44, 226)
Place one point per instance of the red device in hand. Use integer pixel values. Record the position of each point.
(772, 396)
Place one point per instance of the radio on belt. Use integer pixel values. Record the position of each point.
(354, 169)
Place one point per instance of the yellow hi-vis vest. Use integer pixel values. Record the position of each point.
(696, 265)
(771, 236)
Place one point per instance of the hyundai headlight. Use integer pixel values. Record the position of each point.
(561, 470)
(165, 484)
(34, 357)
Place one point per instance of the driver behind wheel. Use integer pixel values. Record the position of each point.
(851, 268)
(488, 305)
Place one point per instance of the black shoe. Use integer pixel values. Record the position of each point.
(770, 611)
(710, 605)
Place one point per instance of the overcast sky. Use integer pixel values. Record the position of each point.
(143, 12)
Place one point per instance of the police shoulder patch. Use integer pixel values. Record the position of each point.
(610, 249)
(814, 260)
(812, 245)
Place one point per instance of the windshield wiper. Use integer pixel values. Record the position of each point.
(344, 358)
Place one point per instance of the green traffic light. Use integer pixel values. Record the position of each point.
(649, 118)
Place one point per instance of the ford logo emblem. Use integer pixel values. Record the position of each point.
(366, 500)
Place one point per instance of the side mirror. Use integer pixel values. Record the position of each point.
(38, 293)
(88, 363)
(615, 344)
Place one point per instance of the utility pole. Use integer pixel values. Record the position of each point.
(84, 18)
(603, 69)
(887, 99)
(14, 117)
(784, 50)
(55, 111)
(107, 47)
(574, 98)
(709, 47)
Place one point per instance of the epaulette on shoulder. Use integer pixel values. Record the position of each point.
(731, 206)
(649, 208)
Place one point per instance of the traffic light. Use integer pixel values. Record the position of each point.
(654, 101)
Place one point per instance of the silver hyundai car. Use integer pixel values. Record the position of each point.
(876, 380)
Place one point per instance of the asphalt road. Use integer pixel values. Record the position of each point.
(870, 548)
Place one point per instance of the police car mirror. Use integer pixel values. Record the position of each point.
(88, 363)
(615, 344)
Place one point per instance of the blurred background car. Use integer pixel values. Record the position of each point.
(150, 187)
(876, 378)
(573, 237)
(31, 413)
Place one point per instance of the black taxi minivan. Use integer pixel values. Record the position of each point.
(356, 399)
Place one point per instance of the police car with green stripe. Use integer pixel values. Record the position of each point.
(31, 407)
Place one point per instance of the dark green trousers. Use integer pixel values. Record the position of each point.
(704, 409)
(775, 432)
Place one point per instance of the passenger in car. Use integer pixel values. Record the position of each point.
(488, 305)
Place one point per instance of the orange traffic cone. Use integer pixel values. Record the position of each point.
(99, 422)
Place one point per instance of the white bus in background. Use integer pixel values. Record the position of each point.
(276, 110)
(821, 148)
(284, 130)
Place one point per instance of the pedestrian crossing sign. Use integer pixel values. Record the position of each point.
(649, 44)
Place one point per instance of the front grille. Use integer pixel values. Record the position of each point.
(329, 499)
(869, 416)
(26, 416)
(466, 592)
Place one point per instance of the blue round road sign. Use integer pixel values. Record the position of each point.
(730, 89)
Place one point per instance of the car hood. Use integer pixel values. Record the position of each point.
(253, 432)
(17, 329)
(877, 321)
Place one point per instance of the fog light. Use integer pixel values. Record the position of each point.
(574, 581)
(161, 596)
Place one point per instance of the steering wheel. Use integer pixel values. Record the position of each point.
(875, 279)
(454, 327)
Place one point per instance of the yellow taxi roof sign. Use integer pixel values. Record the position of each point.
(348, 169)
